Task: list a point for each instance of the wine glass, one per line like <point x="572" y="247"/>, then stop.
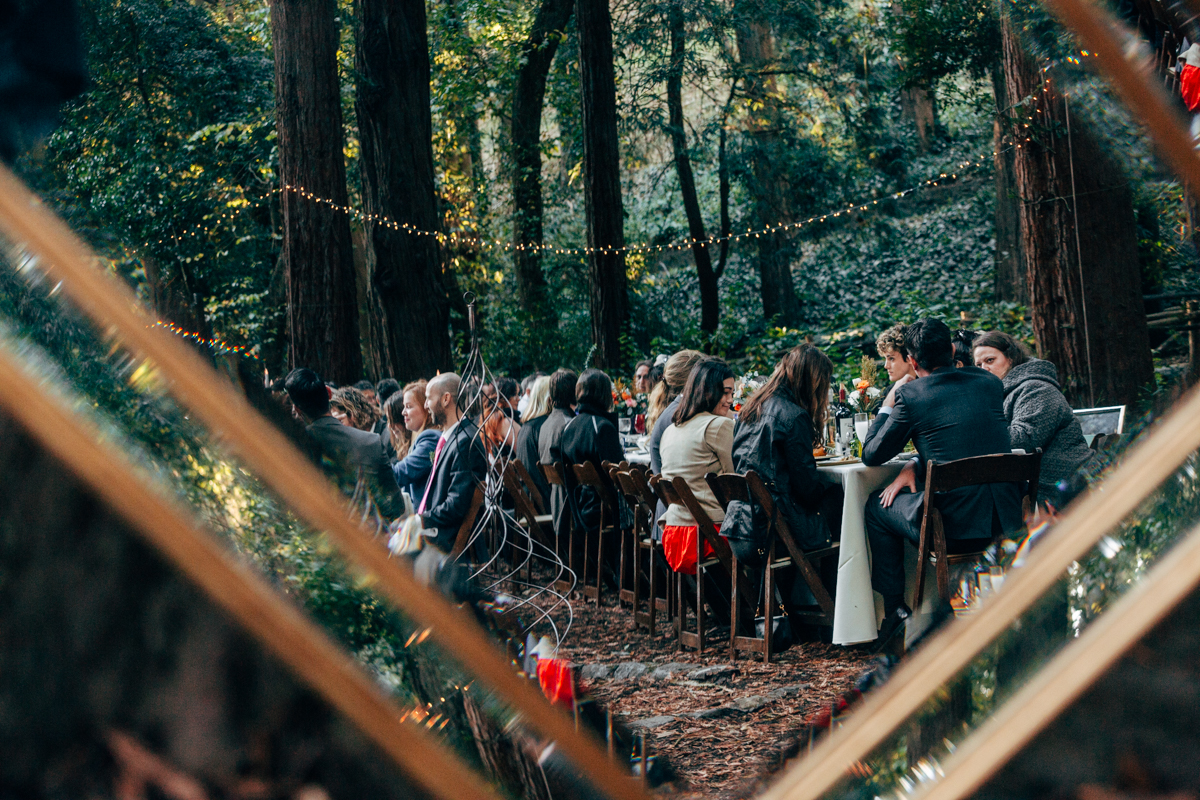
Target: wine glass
<point x="623" y="425"/>
<point x="862" y="424"/>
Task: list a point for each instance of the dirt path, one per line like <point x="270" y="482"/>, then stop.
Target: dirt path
<point x="752" y="712"/>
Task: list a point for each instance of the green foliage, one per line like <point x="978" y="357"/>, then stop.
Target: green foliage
<point x="939" y="39"/>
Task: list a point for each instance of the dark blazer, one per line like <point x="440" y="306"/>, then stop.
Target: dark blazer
<point x="461" y="467"/>
<point x="950" y="414"/>
<point x="350" y="445"/>
<point x="412" y="471"/>
<point x="591" y="436"/>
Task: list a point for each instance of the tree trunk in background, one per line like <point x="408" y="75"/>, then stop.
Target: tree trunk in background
<point x="1076" y="208"/>
<point x="396" y="132"/>
<point x="537" y="53"/>
<point x="917" y="104"/>
<point x="1011" y="285"/>
<point x="316" y="252"/>
<point x="710" y="308"/>
<point x="771" y="206"/>
<point x="602" y="182"/>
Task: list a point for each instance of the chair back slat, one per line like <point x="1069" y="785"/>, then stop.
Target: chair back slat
<point x="588" y="474"/>
<point x="728" y="487"/>
<point x="554" y="474"/>
<point x="531" y="488"/>
<point x="978" y="470"/>
<point x="704" y="523"/>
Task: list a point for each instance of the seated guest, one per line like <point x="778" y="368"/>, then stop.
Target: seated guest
<point x="664" y="405"/>
<point x="350" y="406"/>
<point x="508" y="395"/>
<point x="368" y="389"/>
<point x="948" y="414"/>
<point x="385" y="389"/>
<point x="459" y="464"/>
<point x="537" y="411"/>
<point x="775" y="433"/>
<point x="341" y="443"/>
<point x="890" y="346"/>
<point x="591" y="436"/>
<point x="562" y="397"/>
<point x="414" y="452"/>
<point x="500" y="427"/>
<point x="641" y="377"/>
<point x="699" y="441"/>
<point x="526" y="388"/>
<point x="963" y="355"/>
<point x="1038" y="415"/>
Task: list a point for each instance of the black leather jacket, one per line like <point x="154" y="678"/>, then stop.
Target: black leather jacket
<point x="778" y="446"/>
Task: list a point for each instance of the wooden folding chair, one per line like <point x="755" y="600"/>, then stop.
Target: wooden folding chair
<point x="541" y="504"/>
<point x="639" y="540"/>
<point x="722" y="565"/>
<point x="464" y="531"/>
<point x="564" y="530"/>
<point x="751" y="486"/>
<point x="589" y="475"/>
<point x="539" y="526"/>
<point x="650" y="553"/>
<point x="976" y="471"/>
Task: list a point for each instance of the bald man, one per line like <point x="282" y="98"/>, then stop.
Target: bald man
<point x="459" y="464"/>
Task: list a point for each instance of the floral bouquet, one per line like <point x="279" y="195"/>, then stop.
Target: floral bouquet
<point x="745" y="386"/>
<point x="866" y="397"/>
<point x="625" y="402"/>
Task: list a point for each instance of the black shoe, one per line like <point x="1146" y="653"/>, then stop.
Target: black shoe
<point x="893" y="623"/>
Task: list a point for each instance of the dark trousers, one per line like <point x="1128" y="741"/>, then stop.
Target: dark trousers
<point x="887" y="530"/>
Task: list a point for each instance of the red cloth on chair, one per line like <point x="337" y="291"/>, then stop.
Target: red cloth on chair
<point x="679" y="547"/>
<point x="557" y="681"/>
<point x="1189" y="87"/>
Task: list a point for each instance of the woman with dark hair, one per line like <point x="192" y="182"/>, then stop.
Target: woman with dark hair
<point x="664" y="399"/>
<point x="591" y="436"/>
<point x="415" y="436"/>
<point x="962" y="341"/>
<point x="775" y="434"/>
<point x="699" y="441"/>
<point x="1038" y="414"/>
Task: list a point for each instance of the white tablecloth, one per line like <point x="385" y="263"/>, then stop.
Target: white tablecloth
<point x="854" y="615"/>
<point x="637" y="457"/>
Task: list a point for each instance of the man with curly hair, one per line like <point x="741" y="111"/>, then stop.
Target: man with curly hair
<point x="890" y="345"/>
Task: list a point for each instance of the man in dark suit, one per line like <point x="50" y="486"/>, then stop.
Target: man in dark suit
<point x="459" y="464"/>
<point x="341" y="443"/>
<point x="948" y="414"/>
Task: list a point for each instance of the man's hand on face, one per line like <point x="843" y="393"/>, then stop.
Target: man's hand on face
<point x="890" y="400"/>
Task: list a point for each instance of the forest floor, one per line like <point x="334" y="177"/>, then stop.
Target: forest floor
<point x="724" y="731"/>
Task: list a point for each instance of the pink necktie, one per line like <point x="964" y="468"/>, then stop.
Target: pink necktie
<point x="436" y="454"/>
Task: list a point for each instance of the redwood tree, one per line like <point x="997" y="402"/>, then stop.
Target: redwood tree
<point x="396" y="133"/>
<point x="1078" y="243"/>
<point x="537" y="53"/>
<point x="602" y="181"/>
<point x="316" y="252"/>
<point x="756" y="49"/>
<point x="710" y="308"/>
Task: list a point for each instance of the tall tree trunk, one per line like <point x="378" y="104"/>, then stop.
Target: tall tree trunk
<point x="918" y="105"/>
<point x="1010" y="269"/>
<point x="710" y="308"/>
<point x="396" y="132"/>
<point x="316" y="252"/>
<point x="602" y="182"/>
<point x="1076" y="209"/>
<point x="771" y="206"/>
<point x="529" y="94"/>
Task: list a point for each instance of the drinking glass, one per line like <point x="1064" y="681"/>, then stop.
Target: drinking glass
<point x="862" y="424"/>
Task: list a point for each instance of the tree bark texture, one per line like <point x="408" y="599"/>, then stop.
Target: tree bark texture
<point x="918" y="105"/>
<point x="710" y="307"/>
<point x="529" y="94"/>
<point x="1076" y="209"/>
<point x="602" y="182"/>
<point x="112" y="661"/>
<point x="316" y="252"/>
<point x="396" y="133"/>
<point x="1010" y="269"/>
<point x="771" y="207"/>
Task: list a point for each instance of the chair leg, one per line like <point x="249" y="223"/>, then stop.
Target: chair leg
<point x="680" y="609"/>
<point x="699" y="610"/>
<point x="653" y="595"/>
<point x="922" y="554"/>
<point x="768" y="606"/>
<point x="735" y="609"/>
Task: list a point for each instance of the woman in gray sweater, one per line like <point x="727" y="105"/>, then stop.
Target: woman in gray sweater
<point x="1038" y="414"/>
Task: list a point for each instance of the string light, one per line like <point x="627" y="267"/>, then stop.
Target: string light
<point x="218" y="345"/>
<point x="478" y="241"/>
